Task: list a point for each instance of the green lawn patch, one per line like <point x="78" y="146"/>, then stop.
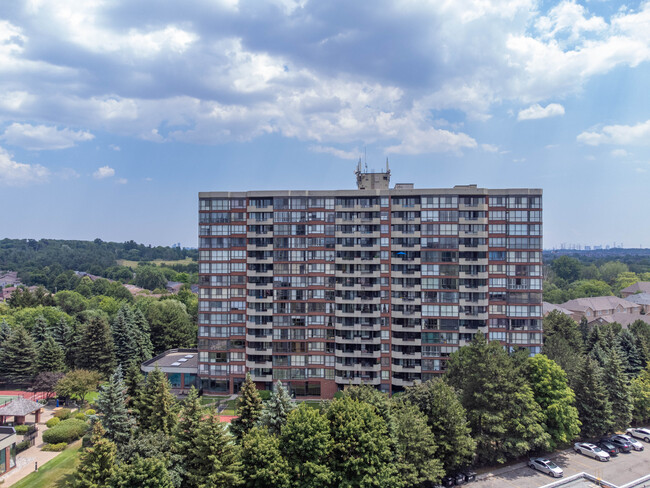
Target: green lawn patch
<point x="56" y="472"/>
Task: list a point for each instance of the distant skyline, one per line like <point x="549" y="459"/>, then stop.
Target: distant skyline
<point x="114" y="115"/>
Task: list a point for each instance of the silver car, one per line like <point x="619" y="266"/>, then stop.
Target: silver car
<point x="639" y="433"/>
<point x="591" y="450"/>
<point x="636" y="445"/>
<point x="546" y="466"/>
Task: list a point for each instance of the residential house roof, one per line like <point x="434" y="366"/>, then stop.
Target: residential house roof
<point x="639" y="298"/>
<point x="625" y="319"/>
<point x="549" y="307"/>
<point x="638" y="287"/>
<point x="598" y="304"/>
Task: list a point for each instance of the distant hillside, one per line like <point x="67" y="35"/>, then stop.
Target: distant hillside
<point x="39" y="262"/>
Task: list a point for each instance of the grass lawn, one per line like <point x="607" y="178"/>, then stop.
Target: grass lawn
<point x="134" y="264"/>
<point x="313" y="403"/>
<point x="56" y="472"/>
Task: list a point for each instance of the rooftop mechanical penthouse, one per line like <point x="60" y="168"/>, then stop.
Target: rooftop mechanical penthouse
<point x="377" y="286"/>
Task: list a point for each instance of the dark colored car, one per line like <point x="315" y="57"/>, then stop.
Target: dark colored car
<point x="448" y="481"/>
<point x="459" y="479"/>
<point x="622" y="445"/>
<point x="469" y="475"/>
<point x="608" y="447"/>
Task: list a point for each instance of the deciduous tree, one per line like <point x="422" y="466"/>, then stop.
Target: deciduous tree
<point x="262" y="463"/>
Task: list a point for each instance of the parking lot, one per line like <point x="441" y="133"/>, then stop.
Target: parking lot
<point x="621" y="469"/>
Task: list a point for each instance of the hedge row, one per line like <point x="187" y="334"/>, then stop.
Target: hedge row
<point x="67" y="431"/>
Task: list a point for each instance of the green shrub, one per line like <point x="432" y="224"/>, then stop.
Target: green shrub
<point x="90" y="411"/>
<point x="80" y="416"/>
<point x="52" y="422"/>
<point x="21" y="429"/>
<point x="63" y="414"/>
<point x="265" y="395"/>
<point x="54" y="447"/>
<point x="21" y="446"/>
<point x="67" y="431"/>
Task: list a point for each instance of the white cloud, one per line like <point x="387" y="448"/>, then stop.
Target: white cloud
<point x="491" y="148"/>
<point x="339" y="153"/>
<point x="619" y="153"/>
<point x="68" y="174"/>
<point x="634" y="135"/>
<point x="122" y="181"/>
<point x="115" y="147"/>
<point x="536" y="111"/>
<point x="13" y="173"/>
<point x="41" y="137"/>
<point x="432" y="140"/>
<point x="104" y="172"/>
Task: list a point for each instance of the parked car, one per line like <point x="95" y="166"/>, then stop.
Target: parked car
<point x="448" y="480"/>
<point x="636" y="445"/>
<point x="546" y="466"/>
<point x="591" y="450"/>
<point x="621" y="444"/>
<point x="608" y="446"/>
<point x="469" y="475"/>
<point x="640" y="433"/>
<point x="459" y="479"/>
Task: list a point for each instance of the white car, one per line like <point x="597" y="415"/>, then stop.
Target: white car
<point x="546" y="466"/>
<point x="636" y="445"/>
<point x="591" y="450"/>
<point x="640" y="433"/>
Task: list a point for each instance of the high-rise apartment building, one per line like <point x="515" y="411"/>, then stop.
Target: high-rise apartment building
<point x="378" y="286"/>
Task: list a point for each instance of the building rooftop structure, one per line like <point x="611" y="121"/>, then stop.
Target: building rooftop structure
<point x="550" y="307"/>
<point x="597" y="306"/>
<point x="625" y="319"/>
<point x="179" y="365"/>
<point x="638" y="287"/>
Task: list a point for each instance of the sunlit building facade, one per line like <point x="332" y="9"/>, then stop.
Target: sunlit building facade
<point x="378" y="285"/>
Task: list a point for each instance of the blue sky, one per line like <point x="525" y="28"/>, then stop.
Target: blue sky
<point x="113" y="115"/>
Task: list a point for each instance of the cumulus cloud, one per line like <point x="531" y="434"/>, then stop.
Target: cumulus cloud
<point x="41" y="137"/>
<point x="619" y="153"/>
<point x="633" y="135"/>
<point x="339" y="153"/>
<point x="104" y="172"/>
<point x="536" y="111"/>
<point x="122" y="181"/>
<point x="13" y="173"/>
<point x="233" y="71"/>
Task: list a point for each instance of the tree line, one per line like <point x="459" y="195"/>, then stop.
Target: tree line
<point x="570" y="277"/>
<point x="43" y="336"/>
<point x="51" y="263"/>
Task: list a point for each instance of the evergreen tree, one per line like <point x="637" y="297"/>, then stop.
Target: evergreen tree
<point x="307" y="444"/>
<point x="40" y="330"/>
<point x="97" y="462"/>
<point x="18" y="357"/>
<point x="372" y="396"/>
<point x="584" y="329"/>
<point x="61" y="332"/>
<point x="640" y="394"/>
<point x="214" y="459"/>
<point x="632" y="358"/>
<point x="277" y="408"/>
<point x="592" y="401"/>
<point x="96" y="350"/>
<point x="141" y="473"/>
<point x="361" y="455"/>
<point x="189" y="426"/>
<point x="124" y="337"/>
<point x="134" y="383"/>
<point x="112" y="404"/>
<point x="618" y="392"/>
<point x="506" y="421"/>
<point x="415" y="447"/>
<point x="249" y="409"/>
<point x="50" y="356"/>
<point x="262" y="463"/>
<point x="5" y="331"/>
<point x="143" y="336"/>
<point x="553" y="395"/>
<point x="157" y="406"/>
<point x="448" y="422"/>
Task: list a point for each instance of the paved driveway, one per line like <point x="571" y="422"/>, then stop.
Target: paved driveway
<point x="619" y="470"/>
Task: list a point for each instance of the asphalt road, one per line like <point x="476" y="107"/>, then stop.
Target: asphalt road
<point x="618" y="470"/>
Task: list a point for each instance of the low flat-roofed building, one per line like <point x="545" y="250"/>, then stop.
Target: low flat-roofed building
<point x="7" y="449"/>
<point x="180" y="365"/>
